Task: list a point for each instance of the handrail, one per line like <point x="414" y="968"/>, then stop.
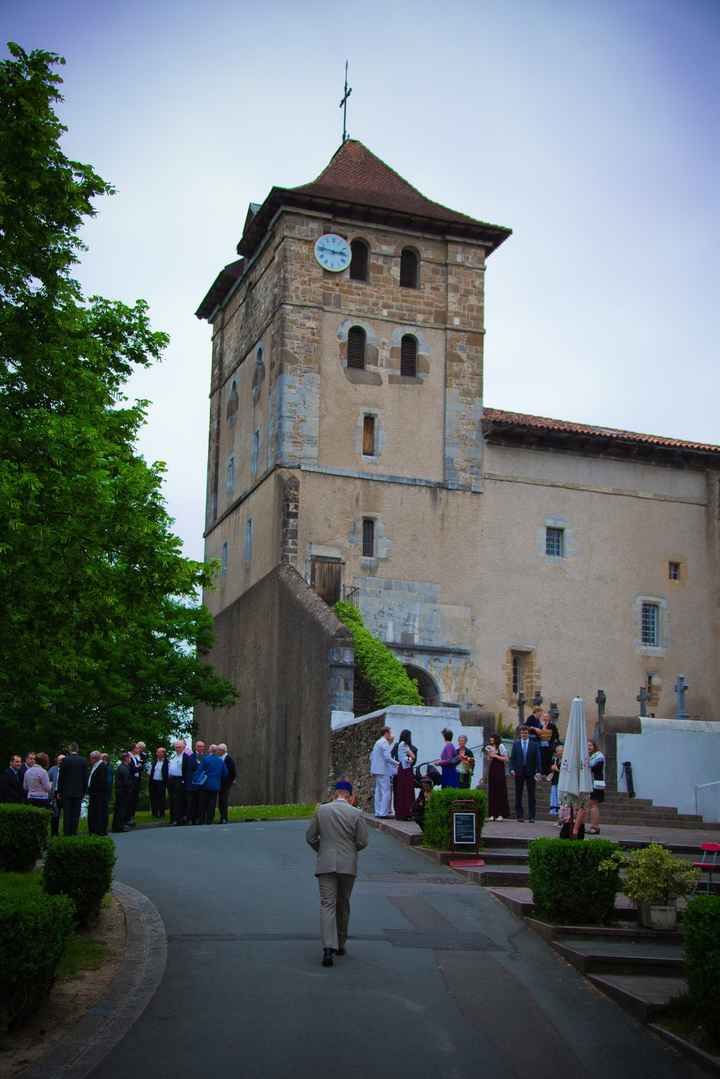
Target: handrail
<point x="703" y="786"/>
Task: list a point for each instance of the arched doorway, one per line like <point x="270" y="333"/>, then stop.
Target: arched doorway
<point x="426" y="684"/>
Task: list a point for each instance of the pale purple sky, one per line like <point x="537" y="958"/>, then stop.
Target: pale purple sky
<point x="589" y="128"/>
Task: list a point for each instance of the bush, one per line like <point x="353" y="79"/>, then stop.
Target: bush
<point x="702" y="948"/>
<point x="381" y="669"/>
<point x="567" y="882"/>
<point x="654" y="875"/>
<point x="437" y="832"/>
<point x="23" y="835"/>
<point x="34" y="929"/>
<point x="81" y="867"/>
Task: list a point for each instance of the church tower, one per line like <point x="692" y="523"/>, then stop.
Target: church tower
<point x="346" y="398"/>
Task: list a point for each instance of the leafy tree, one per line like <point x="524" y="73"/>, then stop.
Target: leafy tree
<point x="101" y="635"/>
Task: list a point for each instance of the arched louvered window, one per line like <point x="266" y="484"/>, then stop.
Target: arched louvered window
<point x="359" y="260"/>
<point x="356" y="347"/>
<point x="409" y="268"/>
<point x="408" y="356"/>
<point x="233" y="402"/>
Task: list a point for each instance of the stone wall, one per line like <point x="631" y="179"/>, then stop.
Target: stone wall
<point x="350" y="757"/>
<point x="285" y="651"/>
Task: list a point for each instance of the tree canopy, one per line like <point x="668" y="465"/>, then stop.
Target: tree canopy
<point x="101" y="632"/>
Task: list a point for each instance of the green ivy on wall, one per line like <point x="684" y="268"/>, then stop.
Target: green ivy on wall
<point x="381" y="669"/>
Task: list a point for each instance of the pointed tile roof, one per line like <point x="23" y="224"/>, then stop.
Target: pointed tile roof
<point x="356" y="183"/>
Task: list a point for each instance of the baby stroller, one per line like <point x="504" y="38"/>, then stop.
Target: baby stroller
<point x="427" y="771"/>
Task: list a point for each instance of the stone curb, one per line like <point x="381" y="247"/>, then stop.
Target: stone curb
<point x="710" y="1064"/>
<point x="107" y="1022"/>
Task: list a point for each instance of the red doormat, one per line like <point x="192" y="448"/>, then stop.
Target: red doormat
<point x="466" y="863"/>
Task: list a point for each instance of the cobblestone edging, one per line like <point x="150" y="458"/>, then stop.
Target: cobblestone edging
<point x="104" y="1025"/>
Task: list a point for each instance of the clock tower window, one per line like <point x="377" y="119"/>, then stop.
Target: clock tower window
<point x="356" y="347"/>
<point x="359" y="260"/>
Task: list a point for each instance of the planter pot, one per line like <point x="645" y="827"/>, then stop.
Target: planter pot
<point x="657" y="917"/>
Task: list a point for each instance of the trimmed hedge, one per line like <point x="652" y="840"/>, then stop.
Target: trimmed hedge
<point x="23" y="836"/>
<point x="437" y="831"/>
<point x="34" y="929"/>
<point x="382" y="670"/>
<point x="567" y="883"/>
<point x="81" y="867"/>
<point x="702" y="950"/>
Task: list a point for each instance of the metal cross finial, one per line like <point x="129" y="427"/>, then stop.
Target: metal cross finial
<point x="343" y="103"/>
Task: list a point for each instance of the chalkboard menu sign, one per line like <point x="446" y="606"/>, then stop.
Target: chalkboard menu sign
<point x="464" y="829"/>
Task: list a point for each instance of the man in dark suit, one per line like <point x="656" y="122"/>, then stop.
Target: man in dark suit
<point x="158" y="783"/>
<point x="97" y="795"/>
<point x="136" y="765"/>
<point x="227" y="782"/>
<point x="72" y="788"/>
<point x="11" y="788"/>
<point x="123" y="794"/>
<point x="179" y="780"/>
<point x="526" y="767"/>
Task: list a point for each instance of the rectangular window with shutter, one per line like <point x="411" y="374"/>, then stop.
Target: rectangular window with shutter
<point x="326" y="579"/>
<point x="368" y="537"/>
<point x="368" y="436"/>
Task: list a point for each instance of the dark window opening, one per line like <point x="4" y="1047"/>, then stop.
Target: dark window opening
<point x="518" y="673"/>
<point x="674" y="571"/>
<point x="408" y="268"/>
<point x="356" y="347"/>
<point x="359" y="260"/>
<point x="408" y="356"/>
<point x="233" y="402"/>
<point x="368" y="537"/>
<point x="368" y="446"/>
<point x="555" y="542"/>
<point x="326" y="579"/>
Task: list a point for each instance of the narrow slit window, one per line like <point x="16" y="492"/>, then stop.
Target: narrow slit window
<point x="555" y="542"/>
<point x="359" y="260"/>
<point x="368" y="537"/>
<point x="230" y="474"/>
<point x="408" y="268"/>
<point x="224" y="560"/>
<point x="408" y="356"/>
<point x="674" y="571"/>
<point x="255" y="452"/>
<point x="368" y="443"/>
<point x="356" y="347"/>
<point x="248" y="540"/>
<point x="518" y="673"/>
<point x="233" y="402"/>
<point x="651" y="625"/>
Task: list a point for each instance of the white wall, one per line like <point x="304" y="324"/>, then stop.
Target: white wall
<point x="426" y="726"/>
<point x="669" y="759"/>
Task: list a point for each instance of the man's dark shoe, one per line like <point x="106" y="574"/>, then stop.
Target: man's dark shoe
<point x="327" y="959"/>
<point x="531" y="820"/>
<point x="341" y="951"/>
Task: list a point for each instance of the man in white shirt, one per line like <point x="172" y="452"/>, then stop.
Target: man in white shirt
<point x="382" y="769"/>
<point x="178" y="772"/>
<point x="158" y="783"/>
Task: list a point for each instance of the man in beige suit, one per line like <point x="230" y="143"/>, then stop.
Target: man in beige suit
<point x="337" y="832"/>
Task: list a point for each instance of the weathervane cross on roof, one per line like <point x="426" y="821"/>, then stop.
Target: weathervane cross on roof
<point x="343" y="103"/>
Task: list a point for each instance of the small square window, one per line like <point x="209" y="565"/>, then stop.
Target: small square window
<point x="368" y="537"/>
<point x="651" y="625"/>
<point x="674" y="571"/>
<point x="555" y="542"/>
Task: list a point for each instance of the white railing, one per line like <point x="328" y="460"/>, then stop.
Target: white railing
<point x="707" y="801"/>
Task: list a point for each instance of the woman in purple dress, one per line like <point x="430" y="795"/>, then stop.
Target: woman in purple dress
<point x="449" y="759"/>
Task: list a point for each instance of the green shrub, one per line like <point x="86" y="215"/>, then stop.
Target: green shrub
<point x="81" y="867"/>
<point x="23" y="835"/>
<point x="381" y="669"/>
<point x="567" y="882"/>
<point x="34" y="929"/>
<point x="437" y="831"/>
<point x="701" y="934"/>
<point x="654" y="875"/>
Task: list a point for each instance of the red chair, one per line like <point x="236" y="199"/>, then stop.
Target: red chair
<point x="710" y="864"/>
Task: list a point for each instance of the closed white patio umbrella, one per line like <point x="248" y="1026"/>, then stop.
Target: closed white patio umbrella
<point x="575" y="781"/>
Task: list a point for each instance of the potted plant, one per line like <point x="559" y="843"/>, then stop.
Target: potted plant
<point x="655" y="879"/>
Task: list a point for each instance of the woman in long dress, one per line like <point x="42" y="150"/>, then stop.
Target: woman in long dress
<point x="405" y="754"/>
<point x="449" y="761"/>
<point x="498" y="806"/>
<point x="597" y="767"/>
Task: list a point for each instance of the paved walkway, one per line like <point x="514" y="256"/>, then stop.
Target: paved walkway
<point x="440" y="979"/>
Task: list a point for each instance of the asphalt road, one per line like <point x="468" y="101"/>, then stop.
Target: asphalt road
<point x="439" y="978"/>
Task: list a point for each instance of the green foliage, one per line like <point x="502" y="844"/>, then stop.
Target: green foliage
<point x="570" y="883"/>
<point x="34" y="929"/>
<point x="388" y="679"/>
<point x="101" y="639"/>
<point x="702" y="956"/>
<point x="654" y="875"/>
<point x="292" y="811"/>
<point x="81" y="954"/>
<point x="81" y="868"/>
<point x="23" y="835"/>
<point x="437" y="830"/>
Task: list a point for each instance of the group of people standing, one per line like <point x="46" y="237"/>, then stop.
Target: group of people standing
<point x="195" y="783"/>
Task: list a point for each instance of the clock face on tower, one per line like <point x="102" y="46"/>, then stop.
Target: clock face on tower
<point x="332" y="252"/>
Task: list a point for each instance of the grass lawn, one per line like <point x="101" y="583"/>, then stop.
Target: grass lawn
<point x="294" y="811"/>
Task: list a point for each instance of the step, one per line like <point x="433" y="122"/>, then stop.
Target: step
<point x="519" y="899"/>
<point x="498" y="875"/>
<point x="641" y="995"/>
<point x="621" y="931"/>
<point x="505" y="856"/>
<point x="593" y="955"/>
